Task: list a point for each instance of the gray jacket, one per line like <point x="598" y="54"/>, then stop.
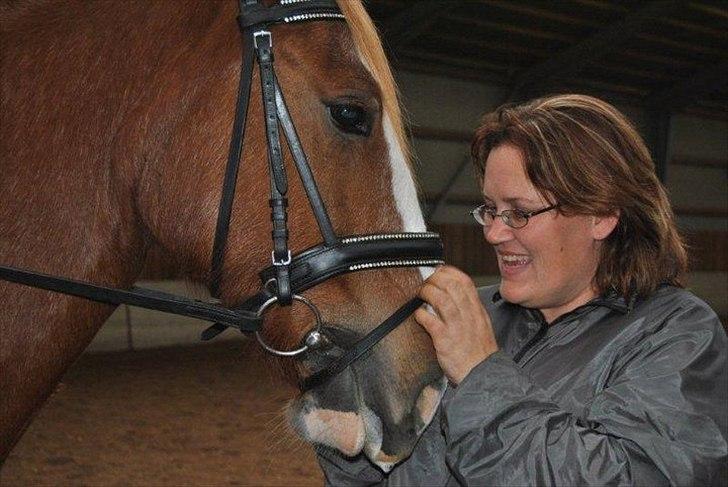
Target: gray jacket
<point x="603" y="396"/>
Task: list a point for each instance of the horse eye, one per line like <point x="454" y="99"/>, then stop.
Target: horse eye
<point x="351" y="119"/>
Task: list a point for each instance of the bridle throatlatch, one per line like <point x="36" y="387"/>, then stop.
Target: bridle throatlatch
<point x="289" y="275"/>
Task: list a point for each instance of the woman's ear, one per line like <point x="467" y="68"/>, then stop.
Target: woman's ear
<point x="603" y="226"/>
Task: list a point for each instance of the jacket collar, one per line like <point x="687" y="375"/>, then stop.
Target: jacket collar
<point x="609" y="300"/>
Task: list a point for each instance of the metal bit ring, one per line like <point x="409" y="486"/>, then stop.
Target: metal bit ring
<point x="313" y="336"/>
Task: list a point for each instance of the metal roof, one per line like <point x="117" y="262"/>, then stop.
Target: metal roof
<point x="665" y="55"/>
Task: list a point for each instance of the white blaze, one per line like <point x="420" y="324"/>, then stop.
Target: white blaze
<point x="403" y="188"/>
<point x="403" y="185"/>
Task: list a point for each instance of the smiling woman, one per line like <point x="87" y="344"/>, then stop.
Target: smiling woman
<point x="588" y="364"/>
<point x="582" y="154"/>
<point x="547" y="263"/>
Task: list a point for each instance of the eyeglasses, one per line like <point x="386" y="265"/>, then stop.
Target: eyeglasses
<point x="485" y="215"/>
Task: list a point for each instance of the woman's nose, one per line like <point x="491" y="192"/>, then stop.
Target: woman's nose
<point x="497" y="232"/>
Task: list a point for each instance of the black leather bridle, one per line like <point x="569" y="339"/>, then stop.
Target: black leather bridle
<point x="289" y="275"/>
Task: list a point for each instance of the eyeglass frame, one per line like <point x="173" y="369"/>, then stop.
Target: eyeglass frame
<point x="506" y="215"/>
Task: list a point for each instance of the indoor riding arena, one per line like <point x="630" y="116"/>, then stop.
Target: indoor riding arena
<point x="166" y="415"/>
<point x="148" y="403"/>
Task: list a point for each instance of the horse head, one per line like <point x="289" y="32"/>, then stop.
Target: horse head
<point x="155" y="86"/>
<point x="343" y="102"/>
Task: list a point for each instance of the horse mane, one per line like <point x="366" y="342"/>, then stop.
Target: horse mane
<point x="369" y="48"/>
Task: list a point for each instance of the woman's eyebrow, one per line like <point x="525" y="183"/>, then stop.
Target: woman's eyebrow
<point x="513" y="200"/>
<point x="517" y="200"/>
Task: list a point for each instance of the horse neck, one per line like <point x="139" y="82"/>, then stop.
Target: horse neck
<point x="63" y="211"/>
<point x="98" y="117"/>
<point x="76" y="81"/>
<point x="69" y="168"/>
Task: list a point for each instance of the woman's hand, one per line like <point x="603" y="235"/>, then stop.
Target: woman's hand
<point x="461" y="330"/>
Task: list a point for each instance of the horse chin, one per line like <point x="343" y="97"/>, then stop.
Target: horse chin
<point x="348" y="425"/>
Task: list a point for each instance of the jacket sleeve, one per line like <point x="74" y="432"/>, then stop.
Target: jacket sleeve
<point x="340" y="471"/>
<point x="660" y="419"/>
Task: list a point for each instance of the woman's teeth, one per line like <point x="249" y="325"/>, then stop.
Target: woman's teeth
<point x="514" y="259"/>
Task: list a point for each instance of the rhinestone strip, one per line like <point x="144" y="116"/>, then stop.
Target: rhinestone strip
<point x="396" y="263"/>
<point x="388" y="236"/>
<point x="313" y="16"/>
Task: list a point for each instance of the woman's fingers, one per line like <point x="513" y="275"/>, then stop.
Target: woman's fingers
<point x="440" y="300"/>
<point x="450" y="292"/>
<point x="460" y="327"/>
<point x="429" y="321"/>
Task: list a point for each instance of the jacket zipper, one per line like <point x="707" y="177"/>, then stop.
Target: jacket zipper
<point x="533" y="341"/>
<point x="544" y="326"/>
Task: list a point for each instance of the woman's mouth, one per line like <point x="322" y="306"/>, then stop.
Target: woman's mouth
<point x="511" y="264"/>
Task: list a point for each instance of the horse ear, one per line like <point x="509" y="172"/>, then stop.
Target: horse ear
<point x="603" y="226"/>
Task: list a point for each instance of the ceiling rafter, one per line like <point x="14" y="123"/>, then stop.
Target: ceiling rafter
<point x="526" y="31"/>
<point x="710" y="10"/>
<point x="571" y="60"/>
<point x="685" y="46"/>
<point x="631" y="53"/>
<point x="704" y="82"/>
<point x="412" y="21"/>
<point x="537" y="12"/>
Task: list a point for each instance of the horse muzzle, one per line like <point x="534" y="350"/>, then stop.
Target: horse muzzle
<point x="338" y="417"/>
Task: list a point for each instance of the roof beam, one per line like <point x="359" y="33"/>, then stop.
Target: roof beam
<point x="412" y="21"/>
<point x="571" y="61"/>
<point x="703" y="82"/>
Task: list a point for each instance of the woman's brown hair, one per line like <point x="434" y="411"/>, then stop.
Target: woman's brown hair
<point x="584" y="155"/>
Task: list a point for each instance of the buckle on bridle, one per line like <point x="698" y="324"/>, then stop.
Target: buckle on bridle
<point x="285" y="261"/>
<point x="262" y="33"/>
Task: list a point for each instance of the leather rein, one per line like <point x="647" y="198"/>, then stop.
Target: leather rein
<point x="289" y="275"/>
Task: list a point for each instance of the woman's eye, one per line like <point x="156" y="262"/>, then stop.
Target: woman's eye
<point x="351" y="119"/>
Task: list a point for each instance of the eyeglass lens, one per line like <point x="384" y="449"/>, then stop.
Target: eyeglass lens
<point x="485" y="216"/>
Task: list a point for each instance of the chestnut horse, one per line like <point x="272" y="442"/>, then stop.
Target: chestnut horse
<point x="114" y="123"/>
